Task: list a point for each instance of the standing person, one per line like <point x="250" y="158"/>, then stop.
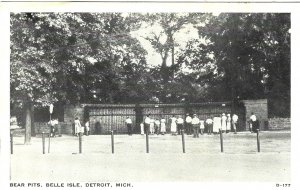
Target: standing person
<point x="82" y="129"/>
<point x="73" y="127"/>
<point x="223" y="122"/>
<point x="157" y="126"/>
<point x="217" y="124"/>
<point x="87" y="128"/>
<point x="179" y="122"/>
<point x="188" y="124"/>
<point x="97" y="128"/>
<point x="56" y="127"/>
<point x="128" y="122"/>
<point x="253" y="122"/>
<point x="77" y="126"/>
<point x="151" y="126"/>
<point x="163" y="126"/>
<point x="147" y="124"/>
<point x="201" y="126"/>
<point x="173" y="125"/>
<point x="228" y="123"/>
<point x="142" y="128"/>
<point x="195" y="123"/>
<point x="234" y="122"/>
<point x="52" y="124"/>
<point x="209" y="123"/>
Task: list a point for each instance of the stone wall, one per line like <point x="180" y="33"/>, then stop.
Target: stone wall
<point x="44" y="127"/>
<point x="260" y="109"/>
<point x="280" y="123"/>
<point x="70" y="112"/>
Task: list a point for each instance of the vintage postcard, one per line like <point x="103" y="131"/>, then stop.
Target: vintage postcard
<point x="149" y="94"/>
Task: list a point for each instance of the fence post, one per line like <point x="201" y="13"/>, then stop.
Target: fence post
<point x="112" y="142"/>
<point x="258" y="142"/>
<point x="147" y="141"/>
<point x="43" y="142"/>
<point x="49" y="141"/>
<point x="11" y="143"/>
<point x="80" y="143"/>
<point x="183" y="143"/>
<point x="221" y="139"/>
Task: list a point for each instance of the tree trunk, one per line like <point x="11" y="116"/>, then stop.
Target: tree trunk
<point x="32" y="121"/>
<point x="165" y="78"/>
<point x="27" y="123"/>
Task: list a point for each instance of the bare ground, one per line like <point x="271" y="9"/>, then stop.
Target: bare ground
<point x="202" y="162"/>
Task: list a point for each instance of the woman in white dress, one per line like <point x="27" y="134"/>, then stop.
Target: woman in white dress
<point x="173" y="125"/>
<point x="163" y="126"/>
<point x="228" y="124"/>
<point x="77" y="126"/>
<point x="216" y="124"/>
<point x="223" y="124"/>
<point x="142" y="128"/>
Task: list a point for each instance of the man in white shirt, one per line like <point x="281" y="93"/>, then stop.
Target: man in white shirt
<point x="188" y="124"/>
<point x="253" y="123"/>
<point x="147" y="122"/>
<point x="195" y="123"/>
<point x="234" y="122"/>
<point x="128" y="122"/>
<point x="179" y="124"/>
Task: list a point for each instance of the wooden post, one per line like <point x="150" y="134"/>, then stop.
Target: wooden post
<point x="183" y="143"/>
<point x="43" y="142"/>
<point x="147" y="141"/>
<point x="11" y="143"/>
<point x="221" y="140"/>
<point x="258" y="142"/>
<point x="112" y="142"/>
<point x="80" y="143"/>
<point x="49" y="141"/>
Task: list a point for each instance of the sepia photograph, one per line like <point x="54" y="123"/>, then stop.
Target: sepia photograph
<point x="110" y="99"/>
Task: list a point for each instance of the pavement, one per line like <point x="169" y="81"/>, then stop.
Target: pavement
<point x="165" y="162"/>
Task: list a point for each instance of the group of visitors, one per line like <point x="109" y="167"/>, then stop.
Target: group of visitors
<point x="154" y="126"/>
<point x="191" y="125"/>
<point x="225" y="123"/>
<point x="81" y="129"/>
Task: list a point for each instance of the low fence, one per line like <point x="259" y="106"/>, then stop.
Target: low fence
<point x="147" y="141"/>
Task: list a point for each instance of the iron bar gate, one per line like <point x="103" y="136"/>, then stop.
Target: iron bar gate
<point x="106" y="117"/>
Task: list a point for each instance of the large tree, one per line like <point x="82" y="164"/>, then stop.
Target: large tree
<point x="163" y="40"/>
<point x="243" y="56"/>
<point x="53" y="54"/>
